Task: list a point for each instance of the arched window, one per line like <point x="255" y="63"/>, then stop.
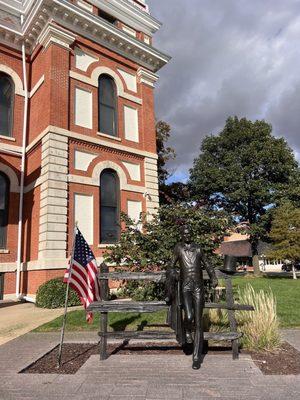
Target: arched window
<point x="6" y="104"/>
<point x="107" y="106"/>
<point x="109" y="206"/>
<point x="4" y="196"/>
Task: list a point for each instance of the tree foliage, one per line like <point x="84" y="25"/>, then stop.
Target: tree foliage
<point x="244" y="170"/>
<point x="285" y="233"/>
<point x="165" y="153"/>
<point x="153" y="248"/>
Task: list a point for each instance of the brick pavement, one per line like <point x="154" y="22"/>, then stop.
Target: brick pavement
<point x="138" y="377"/>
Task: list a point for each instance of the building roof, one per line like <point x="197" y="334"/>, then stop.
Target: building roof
<point x="237" y="248"/>
<point x="27" y="21"/>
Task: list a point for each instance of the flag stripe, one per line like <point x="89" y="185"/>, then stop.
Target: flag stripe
<point x="84" y="273"/>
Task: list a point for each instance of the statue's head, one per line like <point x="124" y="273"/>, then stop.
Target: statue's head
<point x="186" y="234"/>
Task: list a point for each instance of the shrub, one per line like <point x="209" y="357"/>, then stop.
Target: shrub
<point x="52" y="294"/>
<point x="260" y="327"/>
<point x="143" y="291"/>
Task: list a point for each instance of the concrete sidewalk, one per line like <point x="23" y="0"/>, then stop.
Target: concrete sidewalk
<point x="18" y="318"/>
<point x="137" y="377"/>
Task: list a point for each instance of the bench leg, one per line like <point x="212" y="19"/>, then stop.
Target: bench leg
<point x="231" y="317"/>
<point x="103" y="337"/>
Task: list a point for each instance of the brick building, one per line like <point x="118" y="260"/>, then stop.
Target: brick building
<point x="77" y="129"/>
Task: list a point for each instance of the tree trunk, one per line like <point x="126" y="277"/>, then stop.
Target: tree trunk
<point x="255" y="262"/>
<point x="255" y="258"/>
<point x="294" y="272"/>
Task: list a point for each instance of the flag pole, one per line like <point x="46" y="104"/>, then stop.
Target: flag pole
<point x="62" y="335"/>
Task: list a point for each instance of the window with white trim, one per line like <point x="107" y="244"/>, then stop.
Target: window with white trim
<point x="6" y="104"/>
<point x="4" y="205"/>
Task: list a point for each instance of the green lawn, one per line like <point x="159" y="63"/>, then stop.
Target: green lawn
<point x="117" y="321"/>
<point x="286" y="291"/>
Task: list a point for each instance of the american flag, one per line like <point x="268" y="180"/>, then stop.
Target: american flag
<point x="82" y="273"/>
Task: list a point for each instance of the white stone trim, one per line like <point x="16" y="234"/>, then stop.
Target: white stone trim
<point x="147" y="77"/>
<point x="93" y="81"/>
<point x="83" y="107"/>
<point x="8" y="267"/>
<point x="109" y="136"/>
<point x="37" y="86"/>
<point x="86" y="6"/>
<point x="52" y="34"/>
<point x="54" y="197"/>
<point x="15" y="78"/>
<point x="43" y="264"/>
<point x="130" y="79"/>
<point x="83" y="159"/>
<point x="87" y="59"/>
<point x="85" y="220"/>
<point x="84" y="180"/>
<point x="12" y="176"/>
<point x="9" y="138"/>
<point x="151" y="182"/>
<point x="134" y="170"/>
<point x="89" y="139"/>
<point x="131" y="124"/>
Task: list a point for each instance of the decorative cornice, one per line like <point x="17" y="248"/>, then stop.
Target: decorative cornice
<point x="76" y="21"/>
<point x="52" y="34"/>
<point x="147" y="77"/>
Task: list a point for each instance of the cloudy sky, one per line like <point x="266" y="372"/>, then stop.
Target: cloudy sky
<point x="230" y="57"/>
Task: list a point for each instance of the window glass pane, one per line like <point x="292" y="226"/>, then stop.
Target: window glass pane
<point x="109" y="212"/>
<point x="107" y="91"/>
<point x="4" y="192"/>
<point x="107" y="120"/>
<point x="109" y="224"/>
<point x="6" y="105"/>
<point x="3" y="185"/>
<point x="107" y="106"/>
<point x="109" y="189"/>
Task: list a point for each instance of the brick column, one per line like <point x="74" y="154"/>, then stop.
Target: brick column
<point x="54" y="197"/>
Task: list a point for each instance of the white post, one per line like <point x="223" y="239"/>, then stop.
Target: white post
<point x="21" y="202"/>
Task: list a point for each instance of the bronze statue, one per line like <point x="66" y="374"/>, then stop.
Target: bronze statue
<point x="189" y="293"/>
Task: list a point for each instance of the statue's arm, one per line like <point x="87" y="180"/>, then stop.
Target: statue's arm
<point x="171" y="277"/>
<point x="210" y="270"/>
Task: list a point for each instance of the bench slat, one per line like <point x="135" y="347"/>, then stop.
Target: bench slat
<point x="156" y="276"/>
<point x="158" y="335"/>
<point x="153" y="306"/>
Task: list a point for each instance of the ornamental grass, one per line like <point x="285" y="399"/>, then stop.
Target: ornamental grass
<point x="260" y="327"/>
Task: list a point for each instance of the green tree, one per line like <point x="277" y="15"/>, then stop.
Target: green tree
<point x="153" y="248"/>
<point x="285" y="234"/>
<point x="165" y="153"/>
<point x="244" y="170"/>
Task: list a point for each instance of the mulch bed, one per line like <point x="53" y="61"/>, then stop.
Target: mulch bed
<point x="285" y="361"/>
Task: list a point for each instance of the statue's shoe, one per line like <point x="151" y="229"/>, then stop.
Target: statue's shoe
<point x="196" y="364"/>
<point x="189" y="338"/>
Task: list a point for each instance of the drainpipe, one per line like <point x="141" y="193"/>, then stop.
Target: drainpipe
<point x="21" y="203"/>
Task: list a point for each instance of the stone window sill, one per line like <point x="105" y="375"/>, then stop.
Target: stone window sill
<point x="109" y="136"/>
<point x="7" y="138"/>
<point x="4" y="251"/>
<point x="105" y="245"/>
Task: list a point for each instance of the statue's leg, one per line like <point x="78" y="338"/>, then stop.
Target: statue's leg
<point x="188" y="314"/>
<point x="199" y="331"/>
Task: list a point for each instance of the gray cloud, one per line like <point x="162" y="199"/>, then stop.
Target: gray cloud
<point x="230" y="57"/>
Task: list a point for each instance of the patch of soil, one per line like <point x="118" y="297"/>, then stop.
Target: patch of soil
<point x="284" y="361"/>
<point x="74" y="355"/>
